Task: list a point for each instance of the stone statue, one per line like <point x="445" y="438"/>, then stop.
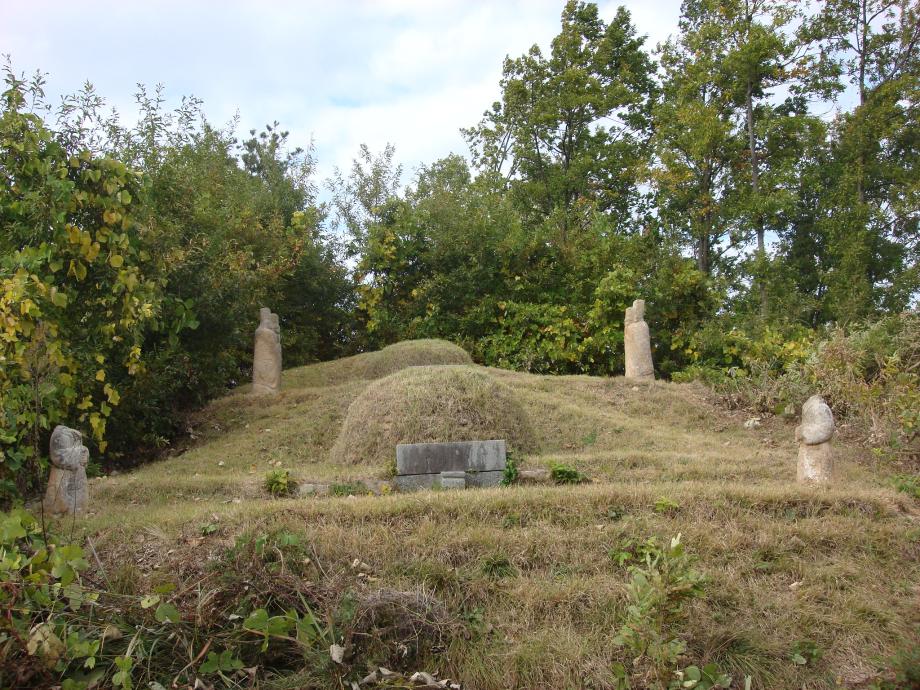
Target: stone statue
<point x="266" y="359"/>
<point x="816" y="458"/>
<point x="68" y="491"/>
<point x="638" y="344"/>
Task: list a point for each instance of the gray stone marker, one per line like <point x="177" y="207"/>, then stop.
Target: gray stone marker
<point x="266" y="356"/>
<point x="637" y="344"/>
<point x="68" y="490"/>
<point x="424" y="465"/>
<point x="816" y="457"/>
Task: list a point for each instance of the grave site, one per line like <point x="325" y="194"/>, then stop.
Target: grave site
<point x="493" y="345"/>
<point x="523" y="585"/>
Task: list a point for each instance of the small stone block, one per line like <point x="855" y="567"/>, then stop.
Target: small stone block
<point x="484" y="479"/>
<point x="412" y="482"/>
<point x="453" y="480"/>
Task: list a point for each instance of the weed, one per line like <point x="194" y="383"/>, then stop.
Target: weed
<point x="279" y="483"/>
<point x="498" y="566"/>
<point x="511" y="520"/>
<point x="207" y="529"/>
<point x="903" y="671"/>
<point x="633" y="551"/>
<point x="805" y="652"/>
<point x="348" y="489"/>
<point x="590" y="439"/>
<point x="566" y="474"/>
<point x="510" y="474"/>
<point x="908" y="483"/>
<point x="665" y="505"/>
<point x="614" y="513"/>
<point x="657" y="594"/>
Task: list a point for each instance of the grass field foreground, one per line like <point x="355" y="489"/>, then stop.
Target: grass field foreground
<point x="526" y="586"/>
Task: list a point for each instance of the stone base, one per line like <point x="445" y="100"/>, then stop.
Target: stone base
<point x="261" y="389"/>
<point x="534" y="477"/>
<point x="816" y="463"/>
<point x="412" y="482"/>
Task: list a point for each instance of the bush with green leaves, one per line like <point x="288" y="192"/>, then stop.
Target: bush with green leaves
<point x="868" y="372"/>
<point x="658" y="592"/>
<point x="133" y="261"/>
<point x="561" y="473"/>
<point x="279" y="483"/>
<point x="511" y="471"/>
<point x="62" y="625"/>
<point x="77" y="287"/>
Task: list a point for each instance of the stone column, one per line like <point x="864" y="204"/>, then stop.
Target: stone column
<point x="637" y="344"/>
<point x="816" y="457"/>
<point x="68" y="491"/>
<point x="266" y="359"/>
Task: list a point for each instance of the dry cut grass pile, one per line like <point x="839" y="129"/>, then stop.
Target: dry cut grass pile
<point x="422" y="404"/>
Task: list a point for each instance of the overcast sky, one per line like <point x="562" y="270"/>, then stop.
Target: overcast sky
<point x="409" y="72"/>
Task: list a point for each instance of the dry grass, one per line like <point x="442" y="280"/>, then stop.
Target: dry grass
<point x="429" y="403"/>
<point x="411" y="353"/>
<point x="836" y="566"/>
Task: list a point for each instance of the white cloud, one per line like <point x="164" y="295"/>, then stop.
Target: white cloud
<point x="409" y="72"/>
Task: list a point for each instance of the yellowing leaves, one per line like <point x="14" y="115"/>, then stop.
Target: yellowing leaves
<point x="97" y="424"/>
<point x="112" y="394"/>
<point x="100" y="375"/>
<point x="77" y="269"/>
<point x="116" y="260"/>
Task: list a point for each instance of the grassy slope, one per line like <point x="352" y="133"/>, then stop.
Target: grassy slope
<point x="855" y="548"/>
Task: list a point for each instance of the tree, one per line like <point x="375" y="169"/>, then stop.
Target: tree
<point x="76" y="287"/>
<point x="695" y="144"/>
<point x="359" y="200"/>
<point x="570" y="128"/>
<point x="870" y="213"/>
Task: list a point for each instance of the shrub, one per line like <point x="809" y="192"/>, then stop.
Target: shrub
<point x="511" y="471"/>
<point x="658" y="593"/>
<point x="279" y="483"/>
<point x="566" y="474"/>
<point x="868" y="373"/>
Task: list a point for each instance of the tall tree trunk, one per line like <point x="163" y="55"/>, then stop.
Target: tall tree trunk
<point x="755" y="189"/>
<point x="703" y="248"/>
<point x="862" y="36"/>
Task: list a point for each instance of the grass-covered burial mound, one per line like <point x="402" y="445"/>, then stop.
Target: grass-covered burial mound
<point x="411" y="353"/>
<point x="429" y="404"/>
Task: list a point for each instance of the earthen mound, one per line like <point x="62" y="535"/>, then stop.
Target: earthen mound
<point x="429" y="404"/>
<point x="411" y="353"/>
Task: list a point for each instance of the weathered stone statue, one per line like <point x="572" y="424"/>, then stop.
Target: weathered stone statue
<point x="266" y="359"/>
<point x="68" y="491"/>
<point x="638" y="344"/>
<point x="816" y="457"/>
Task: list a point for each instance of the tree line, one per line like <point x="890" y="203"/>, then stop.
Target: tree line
<point x="754" y="178"/>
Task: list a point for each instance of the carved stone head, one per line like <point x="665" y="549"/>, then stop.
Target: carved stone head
<point x="67" y="449"/>
<point x="636" y="312"/>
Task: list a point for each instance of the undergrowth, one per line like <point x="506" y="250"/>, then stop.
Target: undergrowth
<point x="262" y="607"/>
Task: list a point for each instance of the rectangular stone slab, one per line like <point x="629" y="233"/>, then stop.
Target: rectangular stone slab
<point x="411" y="482"/>
<point x="434" y="458"/>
